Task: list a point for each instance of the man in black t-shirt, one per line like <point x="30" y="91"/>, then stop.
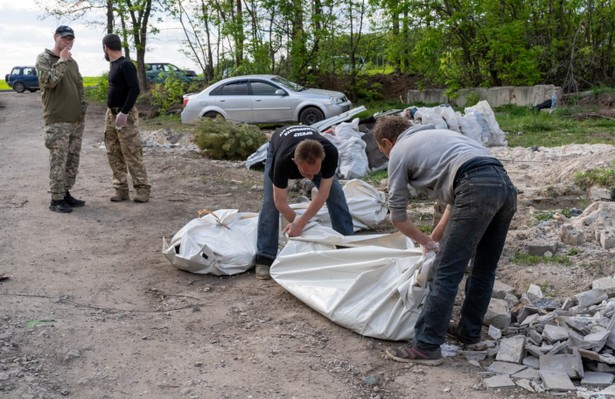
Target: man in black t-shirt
<point x="122" y="138"/>
<point x="297" y="152"/>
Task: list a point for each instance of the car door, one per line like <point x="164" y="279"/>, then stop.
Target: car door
<point x="268" y="105"/>
<point x="29" y="77"/>
<point x="234" y="99"/>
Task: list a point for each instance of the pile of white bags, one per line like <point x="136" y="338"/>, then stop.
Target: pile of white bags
<point x="478" y="122"/>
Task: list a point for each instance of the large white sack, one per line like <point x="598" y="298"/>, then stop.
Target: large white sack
<point x="470" y="126"/>
<point x="353" y="161"/>
<point x="376" y="291"/>
<point x="367" y="205"/>
<point x="450" y="117"/>
<point x="496" y="136"/>
<point x="426" y="115"/>
<point x="220" y="243"/>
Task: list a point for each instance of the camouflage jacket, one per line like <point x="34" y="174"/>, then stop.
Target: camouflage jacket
<point x="61" y="89"/>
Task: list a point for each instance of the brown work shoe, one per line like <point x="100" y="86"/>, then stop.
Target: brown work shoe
<point x="262" y="272"/>
<point x="142" y="196"/>
<point x="411" y="354"/>
<point x="120" y="195"/>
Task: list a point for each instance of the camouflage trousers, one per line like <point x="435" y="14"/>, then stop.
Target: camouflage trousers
<point x="64" y="143"/>
<point x="125" y="152"/>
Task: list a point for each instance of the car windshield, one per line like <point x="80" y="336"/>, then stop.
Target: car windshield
<point x="288" y="84"/>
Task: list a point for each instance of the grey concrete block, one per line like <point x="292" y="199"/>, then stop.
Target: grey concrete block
<point x="505" y="368"/>
<point x="571" y="236"/>
<point x="528" y="374"/>
<point x="598" y="357"/>
<point x="500" y="290"/>
<point x="534" y="293"/>
<point x="541" y="248"/>
<point x="554" y="333"/>
<point x="525" y="384"/>
<point x="607" y="284"/>
<point x="499" y="381"/>
<point x="591" y="297"/>
<point x="595" y="341"/>
<point x="556" y="381"/>
<point x="597" y="379"/>
<point x="571" y="364"/>
<point x="607" y="240"/>
<point x="498" y="314"/>
<point x="494" y="332"/>
<point x="531" y="361"/>
<point x="511" y="349"/>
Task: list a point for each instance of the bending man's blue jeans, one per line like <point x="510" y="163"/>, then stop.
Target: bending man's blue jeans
<point x="485" y="202"/>
<point x="269" y="216"/>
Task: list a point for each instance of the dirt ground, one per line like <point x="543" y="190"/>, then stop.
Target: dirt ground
<point x="92" y="309"/>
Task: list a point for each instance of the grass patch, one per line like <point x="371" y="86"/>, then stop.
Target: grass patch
<point x="595" y="177"/>
<point x="374" y="178"/>
<point x="574" y="125"/>
<point x="525" y="259"/>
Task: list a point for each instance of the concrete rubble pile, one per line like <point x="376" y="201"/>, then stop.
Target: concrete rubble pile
<point x="550" y="344"/>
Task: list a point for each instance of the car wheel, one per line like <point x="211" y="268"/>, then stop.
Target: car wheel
<point x="311" y="115"/>
<point x="19" y="87"/>
<point x="212" y="115"/>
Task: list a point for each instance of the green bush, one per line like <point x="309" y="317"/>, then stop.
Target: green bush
<point x="228" y="140"/>
<point x="98" y="91"/>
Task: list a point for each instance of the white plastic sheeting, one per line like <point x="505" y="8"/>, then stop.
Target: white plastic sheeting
<point x="219" y="243"/>
<point x="374" y="285"/>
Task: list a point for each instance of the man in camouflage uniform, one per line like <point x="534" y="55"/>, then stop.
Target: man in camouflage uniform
<point x="64" y="110"/>
<point x="122" y="138"/>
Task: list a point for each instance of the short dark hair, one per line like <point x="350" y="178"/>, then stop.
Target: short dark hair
<point x="390" y="127"/>
<point x="309" y="151"/>
<point x="113" y="42"/>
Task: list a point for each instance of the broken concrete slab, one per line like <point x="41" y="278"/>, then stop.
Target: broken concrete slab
<point x="528" y="374"/>
<point x="597" y="379"/>
<point x="531" y="361"/>
<point x="607" y="284"/>
<point x="500" y="290"/>
<point x="498" y="314"/>
<point x="591" y="297"/>
<point x="569" y="363"/>
<point x="554" y="333"/>
<point x="541" y="248"/>
<point x="525" y="384"/>
<point x="556" y="381"/>
<point x="505" y="368"/>
<point x="595" y="341"/>
<point x="512" y="349"/>
<point x="499" y="381"/>
<point x="601" y="358"/>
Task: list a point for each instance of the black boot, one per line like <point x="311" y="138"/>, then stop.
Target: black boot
<point x="60" y="206"/>
<point x="72" y="201"/>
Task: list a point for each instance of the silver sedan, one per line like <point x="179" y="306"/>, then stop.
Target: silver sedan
<point x="263" y="99"/>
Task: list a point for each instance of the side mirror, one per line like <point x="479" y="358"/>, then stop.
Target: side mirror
<point x="280" y="92"/>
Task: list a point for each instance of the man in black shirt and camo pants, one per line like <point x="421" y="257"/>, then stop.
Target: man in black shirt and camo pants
<point x="122" y="138"/>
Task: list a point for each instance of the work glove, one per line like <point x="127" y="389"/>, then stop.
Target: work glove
<point x="120" y="120"/>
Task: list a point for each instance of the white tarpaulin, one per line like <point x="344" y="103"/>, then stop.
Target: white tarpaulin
<point x="219" y="243"/>
<point x="373" y="285"/>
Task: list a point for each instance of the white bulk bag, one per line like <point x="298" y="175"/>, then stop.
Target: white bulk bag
<point x="219" y="243"/>
<point x="376" y="291"/>
<point x="367" y="205"/>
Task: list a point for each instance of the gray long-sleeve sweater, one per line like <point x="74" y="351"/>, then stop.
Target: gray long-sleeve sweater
<point x="427" y="159"/>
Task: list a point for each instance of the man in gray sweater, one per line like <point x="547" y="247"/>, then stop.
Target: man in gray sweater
<point x="481" y="201"/>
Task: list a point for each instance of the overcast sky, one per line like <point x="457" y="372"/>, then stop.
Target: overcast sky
<point x="24" y="34"/>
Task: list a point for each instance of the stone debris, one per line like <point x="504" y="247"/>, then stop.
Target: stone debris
<point x="543" y="344"/>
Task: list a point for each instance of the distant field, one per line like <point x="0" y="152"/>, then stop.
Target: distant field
<point x="87" y="82"/>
